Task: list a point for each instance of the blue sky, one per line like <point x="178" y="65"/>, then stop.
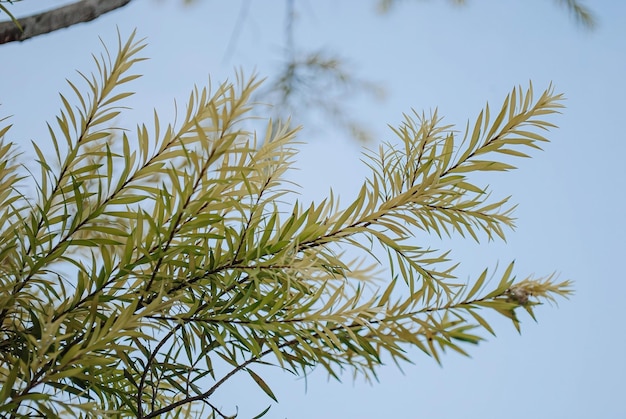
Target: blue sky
<point x="426" y="54"/>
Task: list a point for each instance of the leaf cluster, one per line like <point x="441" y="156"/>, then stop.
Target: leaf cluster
<point x="151" y="265"/>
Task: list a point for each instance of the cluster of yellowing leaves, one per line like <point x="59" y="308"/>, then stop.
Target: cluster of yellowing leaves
<point x="152" y="265"/>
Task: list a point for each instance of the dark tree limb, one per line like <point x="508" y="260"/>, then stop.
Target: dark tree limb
<point x="52" y="20"/>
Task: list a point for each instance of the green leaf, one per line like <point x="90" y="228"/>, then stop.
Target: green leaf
<point x="477" y="285"/>
<point x="260" y="415"/>
<point x="7" y="386"/>
<point x="261" y="384"/>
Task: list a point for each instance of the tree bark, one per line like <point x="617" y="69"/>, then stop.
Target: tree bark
<point x="52" y="20"/>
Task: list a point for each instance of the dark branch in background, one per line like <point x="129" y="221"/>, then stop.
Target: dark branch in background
<point x="52" y="20"/>
<point x="309" y="82"/>
<point x="581" y="13"/>
<point x="316" y="83"/>
<point x="319" y="83"/>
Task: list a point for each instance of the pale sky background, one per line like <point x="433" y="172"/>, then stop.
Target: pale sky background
<point x="427" y="54"/>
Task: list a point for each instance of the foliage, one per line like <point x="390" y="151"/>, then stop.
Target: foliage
<point x="151" y="266"/>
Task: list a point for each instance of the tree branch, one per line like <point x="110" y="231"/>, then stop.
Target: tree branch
<point x="52" y="20"/>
